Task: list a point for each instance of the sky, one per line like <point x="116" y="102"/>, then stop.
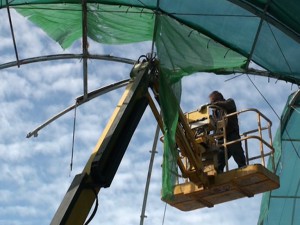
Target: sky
<point x="35" y="173"/>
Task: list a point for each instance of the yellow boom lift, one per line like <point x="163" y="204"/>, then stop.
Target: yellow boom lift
<point x="196" y="141"/>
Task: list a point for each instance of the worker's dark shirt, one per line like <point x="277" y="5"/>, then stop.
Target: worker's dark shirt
<point x="229" y="106"/>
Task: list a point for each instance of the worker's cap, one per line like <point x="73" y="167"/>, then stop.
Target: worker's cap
<point x="215" y="96"/>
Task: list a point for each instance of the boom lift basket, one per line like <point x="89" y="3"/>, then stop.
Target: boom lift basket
<point x="233" y="184"/>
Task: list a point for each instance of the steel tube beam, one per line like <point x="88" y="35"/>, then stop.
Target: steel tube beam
<point x="66" y="56"/>
<point x="79" y="101"/>
<point x="84" y="48"/>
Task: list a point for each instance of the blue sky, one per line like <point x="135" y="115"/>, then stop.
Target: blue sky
<point x="35" y="173"/>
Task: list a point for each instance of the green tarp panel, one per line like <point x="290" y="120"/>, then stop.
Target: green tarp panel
<point x="106" y="24"/>
<point x="272" y="43"/>
<point x="220" y="36"/>
<point x="282" y="206"/>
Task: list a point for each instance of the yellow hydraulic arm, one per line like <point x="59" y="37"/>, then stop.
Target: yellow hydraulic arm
<point x="107" y="154"/>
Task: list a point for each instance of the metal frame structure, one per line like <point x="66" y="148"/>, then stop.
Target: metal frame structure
<point x="259" y="136"/>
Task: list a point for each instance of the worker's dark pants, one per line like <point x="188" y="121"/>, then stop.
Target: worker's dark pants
<point x="234" y="150"/>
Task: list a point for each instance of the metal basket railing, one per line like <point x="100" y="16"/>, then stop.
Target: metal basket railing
<point x="251" y="135"/>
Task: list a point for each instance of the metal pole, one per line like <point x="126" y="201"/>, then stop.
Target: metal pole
<point x="149" y="174"/>
<point x="271" y="143"/>
<point x="260" y="143"/>
<point x="225" y="143"/>
<point x="79" y="101"/>
<point x="246" y="150"/>
<point x="47" y="58"/>
<point x="84" y="48"/>
<point x="12" y="33"/>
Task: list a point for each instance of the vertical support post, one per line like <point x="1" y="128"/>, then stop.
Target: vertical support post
<point x="246" y="150"/>
<point x="186" y="162"/>
<point x="257" y="35"/>
<point x="84" y="48"/>
<point x="225" y="144"/>
<point x="154" y="28"/>
<point x="153" y="152"/>
<point x="271" y="144"/>
<point x="260" y="143"/>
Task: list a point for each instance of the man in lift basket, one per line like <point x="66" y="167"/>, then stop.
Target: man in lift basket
<point x="232" y="131"/>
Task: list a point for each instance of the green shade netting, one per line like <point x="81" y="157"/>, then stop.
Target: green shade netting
<point x="282" y="206"/>
<point x="182" y="52"/>
<point x="106" y="24"/>
<point x="234" y="24"/>
<point x="236" y="27"/>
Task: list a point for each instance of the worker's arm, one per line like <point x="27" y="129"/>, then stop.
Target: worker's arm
<point x="201" y="107"/>
<point x="228" y="105"/>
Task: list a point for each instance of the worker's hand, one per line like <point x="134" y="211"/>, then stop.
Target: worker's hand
<point x="201" y="107"/>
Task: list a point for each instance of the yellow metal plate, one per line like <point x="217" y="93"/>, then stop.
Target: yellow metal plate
<point x="238" y="183"/>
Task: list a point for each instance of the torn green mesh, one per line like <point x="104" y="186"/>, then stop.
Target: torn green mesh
<point x="182" y="52"/>
<point x="106" y="24"/>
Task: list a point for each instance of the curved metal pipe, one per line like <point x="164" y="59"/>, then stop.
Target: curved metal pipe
<point x="65" y="56"/>
<point x="79" y="101"/>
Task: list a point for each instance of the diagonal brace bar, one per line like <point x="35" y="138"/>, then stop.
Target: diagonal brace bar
<point x="12" y="33"/>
